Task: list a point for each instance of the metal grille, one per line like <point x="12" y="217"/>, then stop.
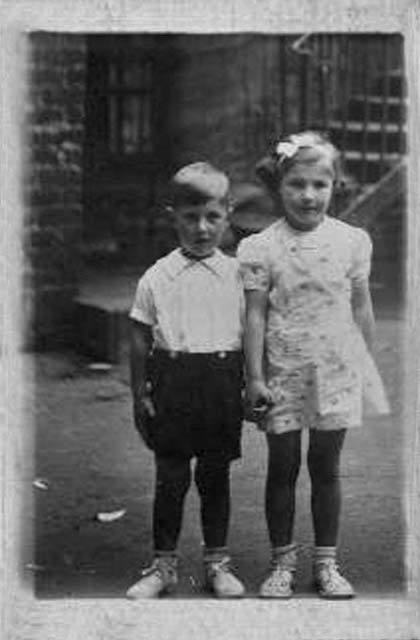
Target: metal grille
<point x="353" y="87"/>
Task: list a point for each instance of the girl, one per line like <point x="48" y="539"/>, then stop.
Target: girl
<point x="308" y="335"/>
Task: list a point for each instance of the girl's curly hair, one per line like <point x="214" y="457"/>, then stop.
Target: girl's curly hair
<point x="272" y="168"/>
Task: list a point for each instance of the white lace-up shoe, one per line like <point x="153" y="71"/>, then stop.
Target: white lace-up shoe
<point x="161" y="577"/>
<point x="221" y="581"/>
<point x="330" y="583"/>
<point x="279" y="583"/>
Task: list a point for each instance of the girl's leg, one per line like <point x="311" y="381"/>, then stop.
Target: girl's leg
<point x="284" y="458"/>
<point x="173" y="478"/>
<point x="213" y="484"/>
<point x="324" y="469"/>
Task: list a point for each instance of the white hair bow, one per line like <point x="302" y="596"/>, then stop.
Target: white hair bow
<point x="286" y="149"/>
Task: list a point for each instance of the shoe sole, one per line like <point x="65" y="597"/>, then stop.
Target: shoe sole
<point x="211" y="591"/>
<point x="325" y="596"/>
<point x="264" y="597"/>
<point x="165" y="592"/>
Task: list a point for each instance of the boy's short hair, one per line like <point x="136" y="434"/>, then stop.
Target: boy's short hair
<point x="198" y="183"/>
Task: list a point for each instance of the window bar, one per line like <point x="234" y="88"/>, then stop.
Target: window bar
<point x="385" y="102"/>
<point x="119" y="107"/>
<point x="366" y="84"/>
<point x="282" y="126"/>
<point x="345" y="99"/>
<point x="304" y="86"/>
<point x="140" y="99"/>
<point x="324" y="79"/>
<point x="400" y="109"/>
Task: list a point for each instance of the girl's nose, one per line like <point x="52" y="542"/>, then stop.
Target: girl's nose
<point x="308" y="193"/>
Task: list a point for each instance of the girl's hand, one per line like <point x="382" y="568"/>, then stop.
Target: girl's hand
<point x="259" y="400"/>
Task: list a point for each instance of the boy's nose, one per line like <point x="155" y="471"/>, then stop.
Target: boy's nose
<point x="202" y="224"/>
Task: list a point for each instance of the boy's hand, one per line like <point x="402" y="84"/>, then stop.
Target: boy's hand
<point x="259" y="400"/>
<point x="143" y="409"/>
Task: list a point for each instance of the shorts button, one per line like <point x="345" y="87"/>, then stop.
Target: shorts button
<point x="222" y="354"/>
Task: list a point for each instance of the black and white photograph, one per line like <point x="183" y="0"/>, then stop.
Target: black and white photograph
<point x="217" y="406"/>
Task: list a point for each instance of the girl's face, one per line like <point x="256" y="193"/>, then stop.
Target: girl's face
<point x="306" y="191"/>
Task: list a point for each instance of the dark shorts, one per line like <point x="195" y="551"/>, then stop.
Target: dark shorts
<point x="198" y="403"/>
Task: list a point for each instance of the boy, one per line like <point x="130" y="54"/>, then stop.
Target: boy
<point x="188" y="309"/>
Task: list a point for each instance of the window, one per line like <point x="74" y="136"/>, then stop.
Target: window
<point x="129" y="109"/>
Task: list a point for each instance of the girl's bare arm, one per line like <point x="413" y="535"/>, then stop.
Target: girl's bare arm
<point x="254" y="337"/>
<point x="363" y="311"/>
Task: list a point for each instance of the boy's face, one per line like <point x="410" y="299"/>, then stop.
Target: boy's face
<point x="200" y="227"/>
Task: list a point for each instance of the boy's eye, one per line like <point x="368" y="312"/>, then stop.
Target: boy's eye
<point x="213" y="216"/>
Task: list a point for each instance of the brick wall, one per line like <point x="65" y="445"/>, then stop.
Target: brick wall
<point x="53" y="186"/>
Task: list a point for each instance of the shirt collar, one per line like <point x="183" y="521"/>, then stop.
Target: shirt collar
<point x="178" y="262"/>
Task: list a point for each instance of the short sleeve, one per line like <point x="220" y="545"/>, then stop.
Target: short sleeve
<point x="253" y="264"/>
<point x="143" y="308"/>
<point x="361" y="256"/>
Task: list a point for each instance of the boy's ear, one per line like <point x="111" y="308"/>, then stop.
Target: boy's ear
<point x="170" y="211"/>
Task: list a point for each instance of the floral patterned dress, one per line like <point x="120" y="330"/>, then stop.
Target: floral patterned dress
<point x="317" y="364"/>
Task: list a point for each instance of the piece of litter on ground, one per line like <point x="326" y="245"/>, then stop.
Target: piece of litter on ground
<point x="109" y="394"/>
<point x="30" y="566"/>
<point x="41" y="483"/>
<point x="86" y="570"/>
<point x="110" y="516"/>
<point x="100" y="367"/>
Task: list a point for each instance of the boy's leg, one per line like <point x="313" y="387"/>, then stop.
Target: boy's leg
<point x="284" y="459"/>
<point x="173" y="477"/>
<point x="212" y="477"/>
<point x="324" y="468"/>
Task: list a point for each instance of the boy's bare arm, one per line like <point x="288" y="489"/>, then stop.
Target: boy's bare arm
<point x="363" y="311"/>
<point x="140" y="344"/>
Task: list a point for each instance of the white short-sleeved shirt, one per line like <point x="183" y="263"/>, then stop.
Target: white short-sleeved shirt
<point x="193" y="306"/>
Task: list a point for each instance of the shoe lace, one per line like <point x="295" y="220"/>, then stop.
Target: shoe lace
<point x="281" y="573"/>
<point x="163" y="569"/>
<point x="220" y="565"/>
<point x="331" y="574"/>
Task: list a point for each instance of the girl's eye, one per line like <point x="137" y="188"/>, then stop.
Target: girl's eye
<point x="296" y="184"/>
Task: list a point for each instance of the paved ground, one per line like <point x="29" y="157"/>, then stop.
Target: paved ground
<point x="91" y="460"/>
